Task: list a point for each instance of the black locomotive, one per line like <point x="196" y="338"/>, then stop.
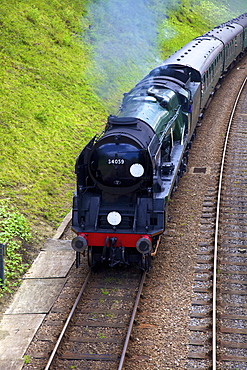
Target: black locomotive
<point x="126" y="176"/>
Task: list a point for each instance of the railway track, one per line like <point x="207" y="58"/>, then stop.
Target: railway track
<point x="98" y="328"/>
<point x="219" y="310"/>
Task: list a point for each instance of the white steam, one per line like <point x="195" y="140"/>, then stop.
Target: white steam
<point x="124" y="39"/>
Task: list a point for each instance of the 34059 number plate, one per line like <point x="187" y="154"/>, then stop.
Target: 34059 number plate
<point x="115" y="161"/>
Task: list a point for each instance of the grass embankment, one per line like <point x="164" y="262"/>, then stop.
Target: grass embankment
<point x="47" y="113"/>
<point x="49" y="110"/>
<point x="192" y="18"/>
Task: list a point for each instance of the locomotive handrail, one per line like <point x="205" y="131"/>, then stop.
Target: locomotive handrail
<point x="159" y="80"/>
<point x="169" y="123"/>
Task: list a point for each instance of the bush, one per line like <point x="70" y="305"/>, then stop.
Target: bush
<point x="15" y="232"/>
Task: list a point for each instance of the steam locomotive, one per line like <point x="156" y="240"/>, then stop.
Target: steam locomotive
<point x="126" y="176"/>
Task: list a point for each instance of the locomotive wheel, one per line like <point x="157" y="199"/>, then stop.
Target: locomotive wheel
<point x="78" y="259"/>
<point x="175" y="185"/>
<point x="90" y="256"/>
<point x="183" y="165"/>
<point x="146" y="262"/>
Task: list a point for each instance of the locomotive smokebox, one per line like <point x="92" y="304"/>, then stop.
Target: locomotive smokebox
<point x="79" y="243"/>
<point x="144" y="244"/>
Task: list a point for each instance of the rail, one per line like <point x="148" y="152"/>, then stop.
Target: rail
<point x="131" y="322"/>
<point x="138" y="287"/>
<point x="214" y="327"/>
<point x="49" y="363"/>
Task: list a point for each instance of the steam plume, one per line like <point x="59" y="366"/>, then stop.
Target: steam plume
<point x="124" y="38"/>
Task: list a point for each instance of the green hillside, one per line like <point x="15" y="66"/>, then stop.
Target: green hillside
<point x="49" y="102"/>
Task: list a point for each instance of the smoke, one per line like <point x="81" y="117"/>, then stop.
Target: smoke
<point x="124" y="37"/>
<point x="237" y="6"/>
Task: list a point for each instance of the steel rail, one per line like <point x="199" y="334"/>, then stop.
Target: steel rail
<point x="214" y="327"/>
<point x="127" y="338"/>
<point x="49" y="363"/>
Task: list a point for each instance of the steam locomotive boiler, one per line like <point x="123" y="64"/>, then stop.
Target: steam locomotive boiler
<point x="126" y="176"/>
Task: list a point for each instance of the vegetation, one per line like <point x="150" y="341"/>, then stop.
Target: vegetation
<point x="47" y="111"/>
<point x="47" y="114"/>
<point x="49" y="108"/>
<point x="189" y="20"/>
<point x="15" y="233"/>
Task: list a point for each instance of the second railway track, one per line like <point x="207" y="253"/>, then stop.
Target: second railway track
<point x="219" y="310"/>
<point x="231" y="313"/>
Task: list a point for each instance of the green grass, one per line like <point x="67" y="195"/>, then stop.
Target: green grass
<point x="47" y="112"/>
<point x="189" y="19"/>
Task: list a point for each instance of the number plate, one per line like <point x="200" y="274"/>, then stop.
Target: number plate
<point x="115" y="161"/>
